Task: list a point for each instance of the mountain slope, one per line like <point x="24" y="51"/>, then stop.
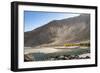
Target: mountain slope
<point x="59" y="32"/>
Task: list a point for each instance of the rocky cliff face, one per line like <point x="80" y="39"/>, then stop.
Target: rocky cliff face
<point x="58" y="32"/>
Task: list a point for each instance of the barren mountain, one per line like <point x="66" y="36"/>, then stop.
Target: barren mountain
<point x="59" y="32"/>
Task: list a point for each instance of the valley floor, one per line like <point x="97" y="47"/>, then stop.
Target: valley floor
<point x="56" y="53"/>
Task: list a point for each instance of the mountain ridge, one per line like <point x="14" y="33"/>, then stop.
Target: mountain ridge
<point x="58" y="32"/>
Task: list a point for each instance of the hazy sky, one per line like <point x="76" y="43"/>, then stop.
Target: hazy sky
<point x="33" y="19"/>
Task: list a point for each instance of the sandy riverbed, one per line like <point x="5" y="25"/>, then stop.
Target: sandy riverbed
<point x="47" y="49"/>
